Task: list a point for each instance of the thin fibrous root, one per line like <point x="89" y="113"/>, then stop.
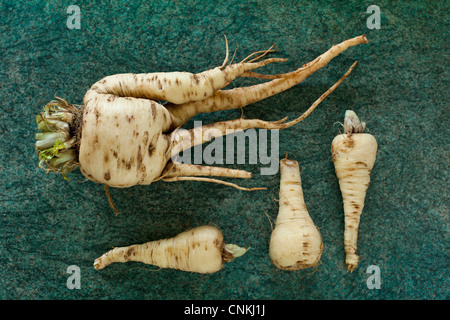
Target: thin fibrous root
<point x="110" y="200"/>
<point x="234" y="54"/>
<point x="264" y="52"/>
<point x="226" y="56"/>
<point x="211" y="180"/>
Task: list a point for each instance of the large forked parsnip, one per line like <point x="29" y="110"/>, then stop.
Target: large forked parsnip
<point x="295" y="243"/>
<point x="200" y="250"/>
<point x="354" y="154"/>
<point x="123" y="136"/>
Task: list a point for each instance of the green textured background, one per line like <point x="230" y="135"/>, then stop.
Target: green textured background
<point x="400" y="88"/>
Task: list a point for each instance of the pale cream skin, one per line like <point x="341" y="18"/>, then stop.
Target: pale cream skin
<point x="295" y="242"/>
<point x="200" y="250"/>
<point x="128" y="138"/>
<point x="354" y="157"/>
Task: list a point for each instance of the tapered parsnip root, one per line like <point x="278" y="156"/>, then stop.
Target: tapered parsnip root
<point x="295" y="242"/>
<point x="200" y="250"/>
<point x="354" y="154"/>
<point x="123" y="136"/>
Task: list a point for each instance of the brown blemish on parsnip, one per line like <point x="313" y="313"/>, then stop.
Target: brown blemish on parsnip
<point x="129" y="253"/>
<point x="151" y="149"/>
<point x="145" y="137"/>
<point x="153" y="110"/>
<point x="97" y="114"/>
<point x="349" y="143"/>
<point x="139" y="158"/>
<point x="196" y="78"/>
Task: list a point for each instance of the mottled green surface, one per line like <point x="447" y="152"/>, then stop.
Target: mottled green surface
<point x="400" y="88"/>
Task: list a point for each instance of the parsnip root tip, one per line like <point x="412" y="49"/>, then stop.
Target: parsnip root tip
<point x="352" y="261"/>
<point x="98" y="263"/>
<point x="232" y="251"/>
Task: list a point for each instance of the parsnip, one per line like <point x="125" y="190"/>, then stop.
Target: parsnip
<point x="354" y="154"/>
<point x="200" y="250"/>
<point x="123" y="136"/>
<point x="295" y="242"/>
